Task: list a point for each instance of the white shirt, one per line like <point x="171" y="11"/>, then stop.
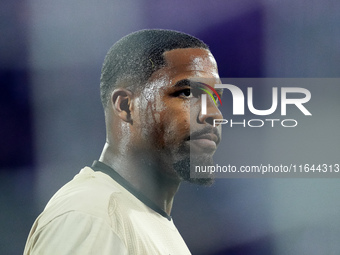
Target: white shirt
<point x="93" y="214"/>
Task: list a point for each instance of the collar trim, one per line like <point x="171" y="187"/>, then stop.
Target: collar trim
<point x="101" y="167"/>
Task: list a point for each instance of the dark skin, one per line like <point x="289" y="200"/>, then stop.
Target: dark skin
<point x="149" y="130"/>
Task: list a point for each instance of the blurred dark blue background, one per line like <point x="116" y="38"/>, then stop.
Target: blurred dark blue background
<point x="52" y="123"/>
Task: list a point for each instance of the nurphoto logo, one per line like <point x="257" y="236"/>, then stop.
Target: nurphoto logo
<point x="239" y="105"/>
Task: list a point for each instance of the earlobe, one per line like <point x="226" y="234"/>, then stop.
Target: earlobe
<point x="121" y="102"/>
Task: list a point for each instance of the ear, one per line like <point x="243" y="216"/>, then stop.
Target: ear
<point x="121" y="103"/>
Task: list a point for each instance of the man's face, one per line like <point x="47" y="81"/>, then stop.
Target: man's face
<point x="168" y="124"/>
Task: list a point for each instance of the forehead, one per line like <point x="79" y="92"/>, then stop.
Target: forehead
<point x="188" y="63"/>
<point x="191" y="60"/>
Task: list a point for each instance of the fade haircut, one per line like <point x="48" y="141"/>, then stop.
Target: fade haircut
<point x="131" y="61"/>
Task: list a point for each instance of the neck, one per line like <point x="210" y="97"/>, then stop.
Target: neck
<point x="148" y="178"/>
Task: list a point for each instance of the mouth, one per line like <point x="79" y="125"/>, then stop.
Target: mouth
<point x="206" y="140"/>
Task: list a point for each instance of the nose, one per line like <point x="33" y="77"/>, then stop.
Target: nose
<point x="212" y="112"/>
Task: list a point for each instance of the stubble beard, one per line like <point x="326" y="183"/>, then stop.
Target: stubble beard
<point x="187" y="165"/>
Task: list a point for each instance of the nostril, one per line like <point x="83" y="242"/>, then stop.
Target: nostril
<point x="210" y="120"/>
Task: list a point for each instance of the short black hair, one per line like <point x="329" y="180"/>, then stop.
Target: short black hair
<point x="136" y="56"/>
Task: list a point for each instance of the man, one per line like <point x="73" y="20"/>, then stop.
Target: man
<point x="121" y="205"/>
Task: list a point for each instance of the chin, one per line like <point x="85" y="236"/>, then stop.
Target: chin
<point x="186" y="166"/>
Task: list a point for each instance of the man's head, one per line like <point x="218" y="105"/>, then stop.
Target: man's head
<point x="152" y="101"/>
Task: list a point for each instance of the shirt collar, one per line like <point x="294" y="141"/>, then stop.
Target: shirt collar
<point x="101" y="167"/>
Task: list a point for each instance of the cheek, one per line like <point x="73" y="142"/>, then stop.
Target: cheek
<point x="176" y="125"/>
<point x="152" y="123"/>
<point x="148" y="115"/>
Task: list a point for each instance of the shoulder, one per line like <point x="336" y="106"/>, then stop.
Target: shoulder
<point x="78" y="217"/>
<point x="89" y="192"/>
<point x="74" y="233"/>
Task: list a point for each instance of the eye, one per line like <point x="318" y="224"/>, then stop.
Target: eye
<point x="185" y="93"/>
<point x="188" y="93"/>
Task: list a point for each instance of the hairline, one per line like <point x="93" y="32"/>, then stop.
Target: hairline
<point x="137" y="87"/>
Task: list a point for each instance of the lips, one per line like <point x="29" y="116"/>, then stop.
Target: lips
<point x="206" y="139"/>
<point x="206" y="136"/>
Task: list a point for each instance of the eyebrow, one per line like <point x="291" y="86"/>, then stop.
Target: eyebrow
<point x="194" y="85"/>
<point x="185" y="83"/>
